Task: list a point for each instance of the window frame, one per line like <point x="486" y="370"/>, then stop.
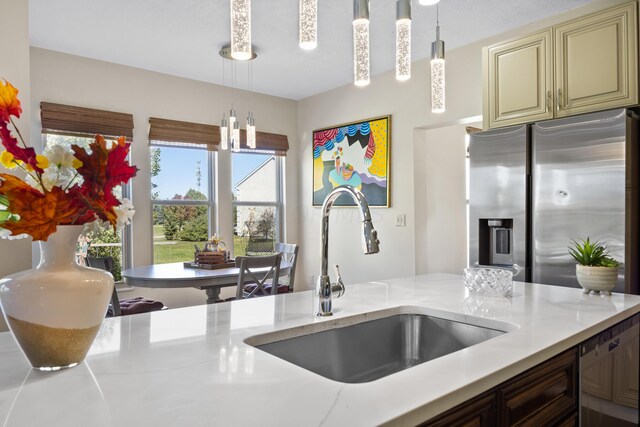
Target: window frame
<point x="278" y="204"/>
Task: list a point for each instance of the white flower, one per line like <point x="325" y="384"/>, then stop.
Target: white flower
<point x="95" y="226"/>
<point x="6" y="234"/>
<point x="125" y="213"/>
<point x="60" y="156"/>
<point x="59" y="173"/>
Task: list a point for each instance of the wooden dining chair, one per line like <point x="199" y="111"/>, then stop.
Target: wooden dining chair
<point x="126" y="306"/>
<point x="248" y="274"/>
<point x="289" y="253"/>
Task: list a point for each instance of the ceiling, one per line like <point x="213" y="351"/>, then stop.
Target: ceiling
<point x="182" y="38"/>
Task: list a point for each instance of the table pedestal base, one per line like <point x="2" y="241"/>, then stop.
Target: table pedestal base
<point x="213" y="295"/>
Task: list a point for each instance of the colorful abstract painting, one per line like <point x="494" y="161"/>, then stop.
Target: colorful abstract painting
<point x="355" y="154"/>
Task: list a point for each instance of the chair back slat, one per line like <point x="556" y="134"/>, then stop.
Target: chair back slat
<point x="248" y="273"/>
<point x="289" y="253"/>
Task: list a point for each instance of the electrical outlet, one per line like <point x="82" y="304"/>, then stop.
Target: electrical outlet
<point x="401" y="220"/>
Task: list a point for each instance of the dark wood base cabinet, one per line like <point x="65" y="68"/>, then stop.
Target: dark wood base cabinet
<point x="545" y="395"/>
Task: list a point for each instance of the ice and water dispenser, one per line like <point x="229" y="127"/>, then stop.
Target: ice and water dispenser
<point x="496" y="242"/>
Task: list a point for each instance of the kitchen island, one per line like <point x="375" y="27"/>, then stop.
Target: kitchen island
<point x="191" y="366"/>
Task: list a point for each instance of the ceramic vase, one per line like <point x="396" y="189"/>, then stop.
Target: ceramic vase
<point x="55" y="310"/>
<point x="597" y="279"/>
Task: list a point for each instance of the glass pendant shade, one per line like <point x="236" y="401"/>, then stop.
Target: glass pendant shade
<point x="308" y="24"/>
<point x="251" y="131"/>
<point x="361" y="52"/>
<point x="361" y="42"/>
<point x="403" y="39"/>
<point x="437" y="85"/>
<point x="241" y="30"/>
<point x="235" y="137"/>
<point x="224" y="132"/>
<point x="232" y="118"/>
<point x="437" y="74"/>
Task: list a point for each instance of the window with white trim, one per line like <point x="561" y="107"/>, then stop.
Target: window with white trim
<point x="257" y="181"/>
<point x="182" y="187"/>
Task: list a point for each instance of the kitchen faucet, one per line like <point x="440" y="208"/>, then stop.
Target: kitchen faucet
<point x="370" y="242"/>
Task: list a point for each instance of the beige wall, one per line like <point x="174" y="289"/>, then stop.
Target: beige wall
<point x="440" y="202"/>
<point x="74" y="80"/>
<point x="15" y="255"/>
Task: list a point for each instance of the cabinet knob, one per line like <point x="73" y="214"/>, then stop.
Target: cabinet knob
<point x="549" y="100"/>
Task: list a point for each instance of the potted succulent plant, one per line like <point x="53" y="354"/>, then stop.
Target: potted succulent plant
<point x="596" y="270"/>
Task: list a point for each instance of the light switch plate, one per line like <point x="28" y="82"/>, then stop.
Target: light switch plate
<point x="401" y="220"/>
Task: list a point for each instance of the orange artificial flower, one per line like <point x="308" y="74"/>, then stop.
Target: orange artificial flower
<point x="9" y="103"/>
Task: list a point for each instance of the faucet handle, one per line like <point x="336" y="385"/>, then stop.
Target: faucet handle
<point x="338" y="287"/>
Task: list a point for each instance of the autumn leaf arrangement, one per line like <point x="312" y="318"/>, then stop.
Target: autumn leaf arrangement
<point x="65" y="185"/>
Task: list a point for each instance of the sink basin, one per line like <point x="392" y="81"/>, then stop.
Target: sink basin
<point x="372" y="349"/>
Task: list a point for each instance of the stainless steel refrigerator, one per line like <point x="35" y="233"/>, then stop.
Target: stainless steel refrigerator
<point x="534" y="188"/>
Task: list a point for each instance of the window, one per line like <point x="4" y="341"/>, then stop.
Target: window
<point x="257" y="202"/>
<point x="69" y="125"/>
<point x="182" y="183"/>
<point x="105" y="242"/>
<point x="180" y="191"/>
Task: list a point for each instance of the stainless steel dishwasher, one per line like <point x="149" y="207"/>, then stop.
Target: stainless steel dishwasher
<point x="609" y="376"/>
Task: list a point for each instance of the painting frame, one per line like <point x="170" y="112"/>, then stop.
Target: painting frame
<point x="356" y="153"/>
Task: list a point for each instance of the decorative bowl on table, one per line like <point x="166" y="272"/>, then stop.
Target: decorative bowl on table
<point x="347" y="171"/>
<point x="492" y="282"/>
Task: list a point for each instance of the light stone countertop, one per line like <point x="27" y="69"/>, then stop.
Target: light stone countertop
<point x="191" y="367"/>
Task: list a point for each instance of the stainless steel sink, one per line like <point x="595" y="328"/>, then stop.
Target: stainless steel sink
<point x="372" y="349"/>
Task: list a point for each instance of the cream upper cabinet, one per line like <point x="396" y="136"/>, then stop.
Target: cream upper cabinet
<point x="584" y="65"/>
<point x="520" y="81"/>
<point x="596" y="61"/>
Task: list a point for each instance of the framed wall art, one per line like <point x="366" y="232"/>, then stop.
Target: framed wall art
<point x="355" y="154"/>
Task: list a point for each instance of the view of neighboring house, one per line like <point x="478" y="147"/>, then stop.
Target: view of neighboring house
<point x="257" y="186"/>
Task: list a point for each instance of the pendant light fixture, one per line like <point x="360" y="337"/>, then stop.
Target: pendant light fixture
<point x="224" y="132"/>
<point x="308" y="24"/>
<point x="251" y="131"/>
<point x="230" y="128"/>
<point x="241" y="30"/>
<point x="403" y="39"/>
<point x="235" y="137"/>
<point x="251" y="125"/>
<point x="233" y="124"/>
<point x="361" y="42"/>
<point x="437" y="71"/>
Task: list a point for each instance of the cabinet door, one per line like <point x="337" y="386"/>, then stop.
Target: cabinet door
<point x="541" y="396"/>
<point x="478" y="412"/>
<point x="625" y="373"/>
<point x="518" y="81"/>
<point x="595" y="62"/>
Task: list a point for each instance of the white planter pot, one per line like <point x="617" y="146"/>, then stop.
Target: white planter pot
<point x="55" y="310"/>
<point x="597" y="279"/>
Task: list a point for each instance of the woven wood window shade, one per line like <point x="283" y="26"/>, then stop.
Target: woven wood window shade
<point x="70" y="120"/>
<point x="271" y="142"/>
<point x="173" y="131"/>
